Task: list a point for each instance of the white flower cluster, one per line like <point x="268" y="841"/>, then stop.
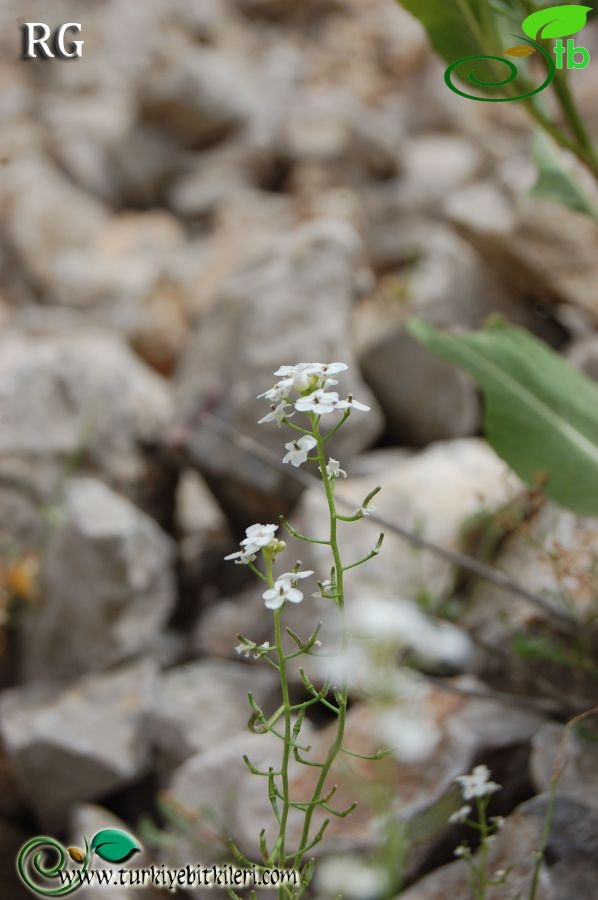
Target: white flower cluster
<point x="257" y="537"/>
<point x="311" y="383"/>
<point x="477" y="784"/>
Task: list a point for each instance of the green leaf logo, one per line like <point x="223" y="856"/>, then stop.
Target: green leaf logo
<point x="114" y="845"/>
<point x="556" y="22"/>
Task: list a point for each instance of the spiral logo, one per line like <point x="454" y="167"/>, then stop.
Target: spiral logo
<point x="513" y="73"/>
<point x="42" y="859"/>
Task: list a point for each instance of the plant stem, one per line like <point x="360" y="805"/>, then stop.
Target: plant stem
<point x="340" y="600"/>
<point x="287" y="739"/>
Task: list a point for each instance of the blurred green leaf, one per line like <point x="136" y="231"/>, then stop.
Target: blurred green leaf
<point x="557" y="181"/>
<point x="541" y="414"/>
<point x="452" y="26"/>
<point x="556" y="22"/>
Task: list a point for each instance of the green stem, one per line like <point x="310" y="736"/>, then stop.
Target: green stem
<point x="340" y="599"/>
<point x="286" y="705"/>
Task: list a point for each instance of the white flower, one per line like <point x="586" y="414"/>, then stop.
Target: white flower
<point x="278" y="393"/>
<point x="258" y="536"/>
<point x="298" y="450"/>
<point x="278" y="413"/>
<point x="241" y="557"/>
<point x="281" y="591"/>
<point x="351" y="403"/>
<point x="319" y="402"/>
<point x="296" y="376"/>
<point x="352" y="878"/>
<point x="246" y="647"/>
<point x="324" y="590"/>
<point x="498" y="822"/>
<point x="295" y="576"/>
<point x="460" y="815"/>
<point x="412" y="736"/>
<point x="333" y="469"/>
<point x="477" y="784"/>
<point x="365" y="511"/>
<point x="462" y="850"/>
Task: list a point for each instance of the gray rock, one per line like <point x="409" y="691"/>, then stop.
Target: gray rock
<point x="200" y="705"/>
<point x="584" y="354"/>
<point x="107" y="578"/>
<point x="201" y="98"/>
<point x="277" y="304"/>
<point x="216" y="786"/>
<point x="87" y="398"/>
<point x="433" y="493"/>
<point x="445" y="403"/>
<point x="542" y="249"/>
<point x="74" y="744"/>
<point x="553" y="555"/>
<point x="133" y="279"/>
<point x="558" y="750"/>
<point x="31" y="198"/>
<point x="570" y="869"/>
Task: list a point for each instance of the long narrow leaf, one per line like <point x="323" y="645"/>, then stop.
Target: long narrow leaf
<point x="541" y="414"/>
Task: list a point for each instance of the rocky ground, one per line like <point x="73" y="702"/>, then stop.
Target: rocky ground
<point x="216" y="188"/>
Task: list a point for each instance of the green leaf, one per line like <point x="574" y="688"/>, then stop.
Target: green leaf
<point x="541" y="414"/>
<point x="556" y="22"/>
<point x="454" y="28"/>
<point x="556" y="181"/>
<point x="114" y="845"/>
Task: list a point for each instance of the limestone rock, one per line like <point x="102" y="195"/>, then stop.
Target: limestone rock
<point x="79" y="743"/>
<point x="78" y="395"/>
<point x="543" y="249"/>
<point x="277" y="305"/>
<point x="433" y="493"/>
<point x="570" y="869"/>
<point x="107" y="581"/>
<point x="200" y="705"/>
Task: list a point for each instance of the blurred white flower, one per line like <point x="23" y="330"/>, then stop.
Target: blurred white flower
<point x="333" y="469"/>
<point x="352" y="878"/>
<point x="281" y="592"/>
<point x="460" y="815"/>
<point x="477" y="784"/>
<point x="246" y="647"/>
<point x="298" y="450"/>
<point x="403" y="623"/>
<point x="319" y="402"/>
<point x="411" y="736"/>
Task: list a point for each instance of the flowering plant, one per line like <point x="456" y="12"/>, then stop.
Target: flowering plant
<point x="306" y="391"/>
<point x="479" y="788"/>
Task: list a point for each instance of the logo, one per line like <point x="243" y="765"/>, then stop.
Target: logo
<point x="37" y="34"/>
<point x="557" y="22"/>
<point x="43" y="862"/>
